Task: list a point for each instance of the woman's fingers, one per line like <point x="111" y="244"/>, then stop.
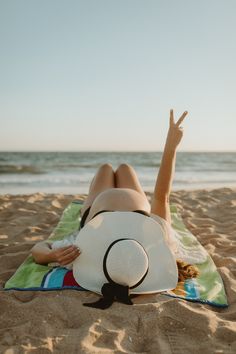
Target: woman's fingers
<point x="181" y="119"/>
<point x="68" y="258"/>
<point x="172" y="117"/>
<point x="67" y="250"/>
<point x="177" y="124"/>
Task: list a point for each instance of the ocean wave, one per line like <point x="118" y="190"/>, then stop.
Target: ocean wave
<point x="75" y="165"/>
<point x="19" y="169"/>
<point x="96" y="165"/>
<point x="212" y="181"/>
<point x="148" y="164"/>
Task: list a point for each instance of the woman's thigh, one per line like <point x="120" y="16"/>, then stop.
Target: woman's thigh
<point x="126" y="177"/>
<point x="104" y="179"/>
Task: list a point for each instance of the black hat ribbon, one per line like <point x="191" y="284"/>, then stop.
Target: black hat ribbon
<point x="112" y="291"/>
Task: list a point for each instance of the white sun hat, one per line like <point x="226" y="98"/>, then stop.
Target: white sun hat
<point x="124" y="248"/>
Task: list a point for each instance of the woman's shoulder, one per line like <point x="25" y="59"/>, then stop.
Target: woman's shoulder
<point x="169" y="232"/>
<point x="163" y="223"/>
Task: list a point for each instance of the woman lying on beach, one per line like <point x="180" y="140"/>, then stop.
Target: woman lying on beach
<point x="121" y="191"/>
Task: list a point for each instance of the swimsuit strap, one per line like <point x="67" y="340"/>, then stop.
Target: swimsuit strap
<point x="84" y="217"/>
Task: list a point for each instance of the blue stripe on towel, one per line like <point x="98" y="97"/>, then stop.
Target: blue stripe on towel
<point x="55" y="278"/>
<point x="190" y="286"/>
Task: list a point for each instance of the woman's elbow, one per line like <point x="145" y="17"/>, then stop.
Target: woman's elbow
<point x="36" y="256"/>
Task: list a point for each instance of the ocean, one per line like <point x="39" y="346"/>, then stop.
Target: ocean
<point x="71" y="172"/>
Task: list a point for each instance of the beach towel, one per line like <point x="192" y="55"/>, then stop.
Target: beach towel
<point x="207" y="288"/>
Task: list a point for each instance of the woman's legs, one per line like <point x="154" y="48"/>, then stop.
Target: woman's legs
<point x="104" y="179"/>
<point x="126" y="177"/>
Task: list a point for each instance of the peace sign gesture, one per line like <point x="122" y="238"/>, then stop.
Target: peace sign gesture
<point x="175" y="132"/>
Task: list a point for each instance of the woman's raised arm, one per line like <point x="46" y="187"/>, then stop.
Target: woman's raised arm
<point x="160" y="202"/>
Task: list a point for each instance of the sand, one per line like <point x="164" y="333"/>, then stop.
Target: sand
<point x="56" y="321"/>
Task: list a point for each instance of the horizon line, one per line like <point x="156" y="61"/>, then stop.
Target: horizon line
<point x="114" y="151"/>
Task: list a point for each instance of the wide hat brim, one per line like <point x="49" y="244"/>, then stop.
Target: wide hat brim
<point x="96" y="236"/>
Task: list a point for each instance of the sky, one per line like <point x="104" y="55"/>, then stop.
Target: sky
<point x="102" y="75"/>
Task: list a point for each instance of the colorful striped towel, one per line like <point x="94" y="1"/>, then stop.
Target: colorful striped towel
<point x="207" y="288"/>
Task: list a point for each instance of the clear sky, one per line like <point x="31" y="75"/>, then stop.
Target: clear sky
<point x="102" y="74"/>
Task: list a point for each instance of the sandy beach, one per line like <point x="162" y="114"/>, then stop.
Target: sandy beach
<point x="56" y="321"/>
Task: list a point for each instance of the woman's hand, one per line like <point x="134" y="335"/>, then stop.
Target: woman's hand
<point x="175" y="132"/>
<point x="64" y="255"/>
